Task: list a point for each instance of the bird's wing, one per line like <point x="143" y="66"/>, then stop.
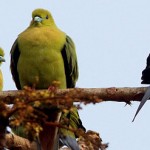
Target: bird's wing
<point x="70" y="62"/>
<point x="71" y="69"/>
<point x="13" y="63"/>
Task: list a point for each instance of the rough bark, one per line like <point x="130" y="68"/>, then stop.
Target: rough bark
<point x="87" y="95"/>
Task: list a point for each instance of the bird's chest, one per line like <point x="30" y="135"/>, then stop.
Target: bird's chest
<point x="41" y="38"/>
<point x="40" y="62"/>
<point x="41" y="69"/>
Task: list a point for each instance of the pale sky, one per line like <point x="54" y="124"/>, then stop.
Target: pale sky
<point x="112" y="41"/>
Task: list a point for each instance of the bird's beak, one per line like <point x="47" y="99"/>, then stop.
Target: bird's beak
<point x="37" y="19"/>
<point x="2" y="59"/>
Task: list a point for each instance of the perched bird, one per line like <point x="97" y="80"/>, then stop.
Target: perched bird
<point x="1" y="60"/>
<point x="145" y="80"/>
<point x="3" y="120"/>
<point x="40" y="55"/>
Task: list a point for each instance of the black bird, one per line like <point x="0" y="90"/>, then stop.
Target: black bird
<point x="145" y="80"/>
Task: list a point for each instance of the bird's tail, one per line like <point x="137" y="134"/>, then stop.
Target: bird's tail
<point x="70" y="118"/>
<point x="69" y="142"/>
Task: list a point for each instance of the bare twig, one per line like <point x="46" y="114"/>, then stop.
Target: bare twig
<point x="86" y="95"/>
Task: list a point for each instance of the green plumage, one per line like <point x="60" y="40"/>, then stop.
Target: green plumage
<point x="43" y="54"/>
<point x="1" y="75"/>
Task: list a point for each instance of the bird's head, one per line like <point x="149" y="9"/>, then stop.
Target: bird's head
<point x="1" y="56"/>
<point x="42" y="17"/>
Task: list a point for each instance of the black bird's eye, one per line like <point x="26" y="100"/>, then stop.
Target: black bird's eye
<point x="47" y="17"/>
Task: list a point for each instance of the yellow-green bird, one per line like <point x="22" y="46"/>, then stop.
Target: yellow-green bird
<point x="1" y="75"/>
<point x="42" y="54"/>
<point x="3" y="120"/>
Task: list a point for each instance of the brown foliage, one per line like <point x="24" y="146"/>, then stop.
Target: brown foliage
<point x="29" y="103"/>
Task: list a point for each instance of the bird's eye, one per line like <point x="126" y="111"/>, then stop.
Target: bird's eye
<point x="47" y="17"/>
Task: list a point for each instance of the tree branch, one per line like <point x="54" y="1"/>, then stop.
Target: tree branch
<point x="55" y="96"/>
<point x="19" y="143"/>
<point x="86" y="95"/>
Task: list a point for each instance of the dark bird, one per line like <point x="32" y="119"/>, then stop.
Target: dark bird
<point x="145" y="80"/>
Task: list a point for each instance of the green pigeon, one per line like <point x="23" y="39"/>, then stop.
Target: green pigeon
<point x="40" y="55"/>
